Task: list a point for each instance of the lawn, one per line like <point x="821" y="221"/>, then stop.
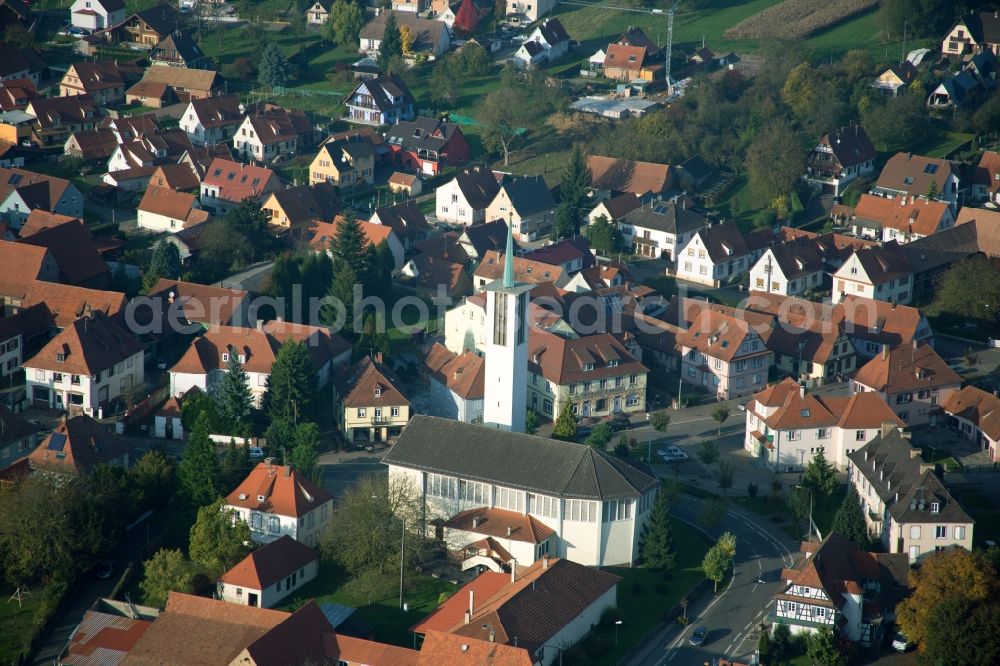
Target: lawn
<point x="644" y="597"/>
<point x="21" y="624"/>
<point x="421" y="593"/>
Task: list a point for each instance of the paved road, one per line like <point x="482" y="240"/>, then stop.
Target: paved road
<point x="731" y="616"/>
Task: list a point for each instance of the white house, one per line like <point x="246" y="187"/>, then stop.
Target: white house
<point x="595" y="505"/>
<point x="977" y="415"/>
<point x="26" y="191"/>
<point x="204" y="363"/>
<point x="274" y="133"/>
<point x="548" y="42"/>
<point x="787" y="426"/>
<point x="906" y="506"/>
<point x="464" y="198"/>
<point x="838" y="586"/>
<point x="723" y="354"/>
<point x="526" y="12"/>
<point x="86" y="366"/>
<point x="269" y="574"/>
<point x="276" y="500"/>
<point x="839" y="158"/>
<point x="164" y="209"/>
<point x="791" y="269"/>
<point x="94" y="15"/>
<point x="319" y="12"/>
<point x="457" y="384"/>
<point x="212" y="120"/>
<point x="661" y="228"/>
<point x="714" y="255"/>
<point x="882" y="273"/>
<point x="429" y="36"/>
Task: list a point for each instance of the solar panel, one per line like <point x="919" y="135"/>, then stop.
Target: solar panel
<point x="14" y="179"/>
<point x="57" y="442"/>
<point x="931" y="168"/>
<point x="661" y="210"/>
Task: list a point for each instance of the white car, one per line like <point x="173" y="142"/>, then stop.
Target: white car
<point x="900" y="643"/>
<point x="672" y="454"/>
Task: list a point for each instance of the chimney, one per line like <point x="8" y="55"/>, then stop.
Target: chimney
<point x="545" y="562"/>
<point x="802" y="390"/>
<point x="468" y="617"/>
<point x="915" y="453"/>
<point x="288" y="471"/>
<point x="475" y="522"/>
<point x="914" y="344"/>
<point x="510" y="531"/>
<point x="513" y="570"/>
<point x="260" y="325"/>
<point x="887" y="428"/>
<point x="885" y="352"/>
<point x="472" y="603"/>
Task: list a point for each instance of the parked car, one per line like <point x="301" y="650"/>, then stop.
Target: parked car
<point x="105" y="569"/>
<point x="698" y="637"/>
<point x="672" y="454"/>
<point x="256" y="453"/>
<point x="900" y="643"/>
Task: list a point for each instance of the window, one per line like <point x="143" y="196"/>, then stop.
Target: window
<point x="935" y="507"/>
<point x="274" y="525"/>
<point x="756" y="361"/>
<point x="941" y="532"/>
<point x="547" y="406"/>
<point x="617" y="510"/>
<point x="581" y="511"/>
<point x="793" y="435"/>
<point x="959" y="532"/>
<point x="914" y="552"/>
<point x="474" y="491"/>
<point x="256" y="521"/>
<point x="822" y="433"/>
<point x="394" y="411"/>
<point x="361" y="412"/>
<point x="510" y="499"/>
<point x="442" y="486"/>
<point x="378" y="413"/>
<point x="859" y="436"/>
<point x="718" y="364"/>
<point x="914" y="531"/>
<point x="819" y="612"/>
<point x="225" y="357"/>
<point x="543" y="505"/>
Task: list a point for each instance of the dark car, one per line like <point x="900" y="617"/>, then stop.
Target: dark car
<point x="105" y="569"/>
<point x="698" y="637"/>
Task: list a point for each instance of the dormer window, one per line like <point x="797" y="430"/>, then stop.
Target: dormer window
<point x="378" y="391"/>
<point x="805" y="413"/>
<point x="260" y="498"/>
<point x="613" y="363"/>
<point x="588" y="366"/>
<point x="243" y="359"/>
<point x="60" y="358"/>
<point x="935" y="507"/>
<point x="225" y="357"/>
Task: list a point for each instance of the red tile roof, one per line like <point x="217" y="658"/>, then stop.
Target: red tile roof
<point x="452" y="611"/>
<point x="368" y="383"/>
<point x="269" y="564"/>
<point x="235" y="181"/>
<point x="914" y="215"/>
<point x="73" y="249"/>
<point x="909" y="367"/>
<point x="286" y="492"/>
<point x="617" y="175"/>
<point x="103" y="639"/>
<point x="462" y="373"/>
<point x="977" y="406"/>
<point x="91" y="344"/>
<point x="501" y="523"/>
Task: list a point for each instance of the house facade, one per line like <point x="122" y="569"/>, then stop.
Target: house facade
<point x="906" y="174"/>
<point x="430" y="37"/>
<point x="269" y="574"/>
<point x="787" y="425"/>
<point x="839" y="158"/>
<point x="369" y="404"/>
<point x="976" y="416"/>
<point x="465" y="198"/>
<point x="227" y="184"/>
<point x="973" y="33"/>
<point x="319" y="12"/>
<point x="723" y="355"/>
<point x="790" y="269"/>
<point x="902" y="220"/>
<point x="835" y="585"/>
<point x="526" y="204"/>
<point x="212" y="120"/>
<point x="457" y="383"/>
<point x="906" y="506"/>
<point x="594" y="524"/>
<point x="85" y="367"/>
<point x="548" y="42"/>
<point x="383" y="100"/>
<point x="714" y="255"/>
<point x="275" y="133"/>
<point x="277" y="500"/>
<point x="94" y="15"/>
<point x="426" y="145"/>
<point x="912" y="379"/>
<point x="346" y="163"/>
<point x="880" y="273"/>
<point x="661" y="229"/>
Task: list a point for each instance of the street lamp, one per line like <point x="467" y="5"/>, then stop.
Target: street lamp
<point x="618" y="623"/>
<point x="809" y="490"/>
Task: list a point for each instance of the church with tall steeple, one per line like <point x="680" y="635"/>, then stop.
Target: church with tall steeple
<point x="505" y="399"/>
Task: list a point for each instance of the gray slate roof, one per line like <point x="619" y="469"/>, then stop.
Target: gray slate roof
<point x="667" y="217"/>
<point x="525" y="462"/>
<point x="529" y="195"/>
<point x="894" y="469"/>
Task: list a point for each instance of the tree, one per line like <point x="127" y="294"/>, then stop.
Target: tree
<point x="165" y="572"/>
<point x="274" y="68"/>
<point x="306" y="450"/>
<point x="291" y="386"/>
<point x="574" y="184"/>
<point x="165" y="263"/>
<point x="799" y="91"/>
<point x="285" y="274"/>
<point x="725" y="475"/>
<point x="235" y="464"/>
<point x="563" y="222"/>
<point x="963" y="633"/>
<point x="822" y="649"/>
<point x="780" y="643"/>
<point x="599" y="436"/>
<point x="774" y="162"/>
<point x="467" y="18"/>
<point x="218" y="540"/>
<point x="365" y="533"/>
<point x="18" y="36"/>
<point x="531" y="422"/>
<point x="406" y="39"/>
<point x="719" y="415"/>
<point x="709" y="452"/>
<point x="604" y="236"/>
<point x="197" y="403"/>
<point x="719" y="559"/>
<point x="504" y="114"/>
<point x="850" y="520"/>
<point x="764" y="647"/>
<point x="923" y="18"/>
<point x="342" y="294"/>
<point x="151" y="480"/>
<point x="233" y="395"/>
<point x="565" y="425"/>
<point x="799" y="502"/>
<point x="348" y="247"/>
<point x="345" y="22"/>
<point x="897" y="121"/>
<point x="712" y="511"/>
<point x="198" y="473"/>
<point x="820" y="477"/>
<point x="969" y="289"/>
<point x="391" y="45"/>
<point x="660" y="421"/>
<point x="658" y="544"/>
<point x="950" y="575"/>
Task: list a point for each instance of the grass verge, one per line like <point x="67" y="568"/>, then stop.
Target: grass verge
<point x="21" y="625"/>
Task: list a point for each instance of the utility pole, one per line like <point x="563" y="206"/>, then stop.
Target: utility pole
<point x="669" y="48"/>
<point x="402" y="543"/>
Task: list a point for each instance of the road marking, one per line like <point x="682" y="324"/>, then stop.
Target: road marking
<point x="747" y="627"/>
<point x="672" y="655"/>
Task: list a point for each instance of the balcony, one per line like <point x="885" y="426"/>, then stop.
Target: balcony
<point x="384" y="420"/>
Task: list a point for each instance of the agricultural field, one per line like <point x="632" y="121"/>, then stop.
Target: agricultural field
<point x="797" y="19"/>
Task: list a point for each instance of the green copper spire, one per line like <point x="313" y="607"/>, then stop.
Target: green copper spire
<point x="508" y="260"/>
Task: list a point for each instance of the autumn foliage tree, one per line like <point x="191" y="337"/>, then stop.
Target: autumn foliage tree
<point x="467" y="18"/>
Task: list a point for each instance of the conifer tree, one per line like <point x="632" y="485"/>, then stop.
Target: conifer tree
<point x="198" y="472"/>
<point x="391" y="45"/>
<point x="658" y="546"/>
<point x="291" y="386"/>
<point x="233" y="395"/>
<point x="565" y="425"/>
<point x="820" y="478"/>
<point x="849" y="520"/>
